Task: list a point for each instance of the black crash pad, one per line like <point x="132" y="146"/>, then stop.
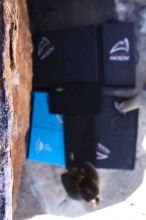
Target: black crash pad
<point x="107" y="140"/>
<point x="80" y="139"/>
<point x="75" y="98"/>
<point x="70" y="71"/>
<point x="117" y="132"/>
<point x="118" y="52"/>
<point x="74" y="57"/>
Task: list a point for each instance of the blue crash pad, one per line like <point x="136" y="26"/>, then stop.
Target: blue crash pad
<point x="46" y="143"/>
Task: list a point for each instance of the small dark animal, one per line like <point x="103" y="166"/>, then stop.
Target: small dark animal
<point x="82" y="183"/>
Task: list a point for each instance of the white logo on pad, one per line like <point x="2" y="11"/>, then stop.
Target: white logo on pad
<point x="120" y="51"/>
<point x="102" y="152"/>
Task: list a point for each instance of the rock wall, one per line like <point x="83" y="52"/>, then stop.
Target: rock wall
<point x="15" y="88"/>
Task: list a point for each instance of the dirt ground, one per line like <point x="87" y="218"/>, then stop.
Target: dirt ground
<point x="123" y="193"/>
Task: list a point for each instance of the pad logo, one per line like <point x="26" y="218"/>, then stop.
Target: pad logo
<point x="120" y="51"/>
<point x="45" y="48"/>
<point x="41" y="147"/>
<point x="102" y="152"/>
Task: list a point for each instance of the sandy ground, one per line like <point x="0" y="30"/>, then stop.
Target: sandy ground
<point x="123" y="193"/>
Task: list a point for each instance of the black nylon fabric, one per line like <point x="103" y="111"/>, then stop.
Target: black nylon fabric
<point x="118" y="72"/>
<point x="80" y="139"/>
<point x="115" y="131"/>
<point x="50" y="69"/>
<point x="75" y="57"/>
<point x="73" y="66"/>
<point x="75" y="98"/>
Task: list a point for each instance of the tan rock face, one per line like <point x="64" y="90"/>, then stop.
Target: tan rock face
<point x="17" y="74"/>
<point x="22" y="75"/>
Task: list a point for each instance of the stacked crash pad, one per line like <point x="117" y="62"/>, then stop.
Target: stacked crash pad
<point x="70" y="68"/>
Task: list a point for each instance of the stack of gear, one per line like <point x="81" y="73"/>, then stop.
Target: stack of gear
<point x="70" y="69"/>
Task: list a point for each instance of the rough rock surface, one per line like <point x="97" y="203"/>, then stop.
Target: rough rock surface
<point x="21" y="88"/>
<point x="116" y="186"/>
<point x="15" y="87"/>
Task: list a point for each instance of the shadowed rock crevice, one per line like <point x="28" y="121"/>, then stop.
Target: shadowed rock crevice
<point x="11" y="49"/>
